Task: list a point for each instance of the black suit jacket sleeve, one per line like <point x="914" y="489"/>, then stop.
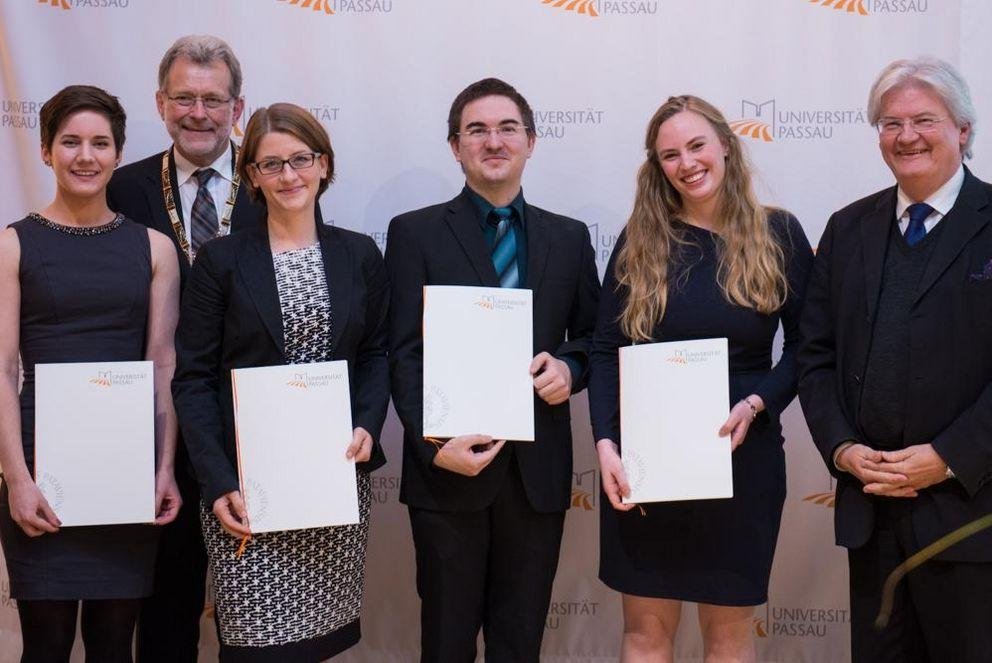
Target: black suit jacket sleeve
<point x="582" y="317"/>
<point x="407" y="275"/>
<point x="817" y="358"/>
<point x="371" y="370"/>
<point x="197" y="385"/>
<point x="604" y="382"/>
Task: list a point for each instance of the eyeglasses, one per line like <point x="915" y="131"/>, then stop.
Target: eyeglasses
<point x="893" y="126"/>
<point x="505" y="131"/>
<point x="299" y="161"/>
<point x="188" y="101"/>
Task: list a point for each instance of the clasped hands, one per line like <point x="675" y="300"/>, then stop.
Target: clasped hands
<point x="899" y="473"/>
<point x="230" y="508"/>
<point x="468" y="455"/>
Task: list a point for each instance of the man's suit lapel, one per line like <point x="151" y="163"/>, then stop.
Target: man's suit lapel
<point x="463" y="222"/>
<point x="337" y="271"/>
<point x="259" y="274"/>
<point x="875" y="227"/>
<point x="968" y="216"/>
<point x="538" y="246"/>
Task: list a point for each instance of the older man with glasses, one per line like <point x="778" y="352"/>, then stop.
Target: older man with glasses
<point x="192" y="193"/>
<point x="896" y="373"/>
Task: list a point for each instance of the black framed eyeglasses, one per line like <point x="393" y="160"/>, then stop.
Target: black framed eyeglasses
<point x="300" y="161"/>
<point x="188" y="101"/>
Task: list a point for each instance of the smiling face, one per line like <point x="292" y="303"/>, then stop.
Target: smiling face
<point x="200" y="134"/>
<point x="495" y="165"/>
<point x="289" y="190"/>
<point x="921" y="162"/>
<point x="82" y="155"/>
<point x="694" y="161"/>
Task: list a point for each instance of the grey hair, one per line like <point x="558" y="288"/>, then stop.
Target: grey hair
<point x="935" y="74"/>
<point x="202" y="50"/>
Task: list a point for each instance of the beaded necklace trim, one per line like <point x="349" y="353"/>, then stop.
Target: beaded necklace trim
<point x="78" y="230"/>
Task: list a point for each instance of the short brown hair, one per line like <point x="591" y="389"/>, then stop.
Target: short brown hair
<point x="75" y="98"/>
<point x="287" y="119"/>
<point x="487" y="87"/>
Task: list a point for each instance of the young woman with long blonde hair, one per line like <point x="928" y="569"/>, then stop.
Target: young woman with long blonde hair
<point x="699" y="258"/>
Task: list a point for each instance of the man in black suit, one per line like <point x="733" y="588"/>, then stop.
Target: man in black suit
<point x="487" y="515"/>
<point x="190" y="192"/>
<point x="896" y="373"/>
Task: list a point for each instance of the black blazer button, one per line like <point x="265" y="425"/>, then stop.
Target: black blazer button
<point x="856" y="378"/>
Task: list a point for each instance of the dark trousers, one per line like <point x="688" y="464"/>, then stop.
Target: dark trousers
<point x="942" y="611"/>
<point x="169" y="623"/>
<point x="491" y="569"/>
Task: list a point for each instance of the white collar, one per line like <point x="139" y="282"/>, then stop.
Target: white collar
<point x="185" y="168"/>
<point x="941" y="200"/>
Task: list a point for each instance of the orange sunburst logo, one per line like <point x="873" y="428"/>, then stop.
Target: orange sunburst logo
<point x="299" y="381"/>
<point x="316" y="5"/>
<point x="578" y="6"/>
<point x="752" y="129"/>
<point x="64" y="4"/>
<point x="753" y="122"/>
<point x="581" y="499"/>
<point x="677" y="359"/>
<point x="101" y="381"/>
<point x="850" y="6"/>
<point x="823" y="499"/>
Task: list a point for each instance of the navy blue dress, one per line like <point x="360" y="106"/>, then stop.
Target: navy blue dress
<point x="84" y="297"/>
<point x="710" y="551"/>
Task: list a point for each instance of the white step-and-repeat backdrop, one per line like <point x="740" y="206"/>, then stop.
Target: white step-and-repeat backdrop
<point x="381" y="74"/>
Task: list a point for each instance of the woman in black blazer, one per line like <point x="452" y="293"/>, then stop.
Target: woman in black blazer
<point x="294" y="291"/>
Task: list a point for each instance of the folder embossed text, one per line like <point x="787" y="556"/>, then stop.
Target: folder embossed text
<point x="293" y="426"/>
<point x="95" y="441"/>
<point x="478" y="345"/>
<point x="673" y="399"/>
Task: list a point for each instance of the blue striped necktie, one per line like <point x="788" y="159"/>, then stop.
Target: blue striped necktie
<point x="915" y="231"/>
<point x="203" y="215"/>
<point x="505" y="247"/>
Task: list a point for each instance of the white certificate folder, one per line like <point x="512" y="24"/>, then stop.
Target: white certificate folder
<point x="478" y="346"/>
<point x="95" y="441"/>
<point x="293" y="427"/>
<point x="673" y="400"/>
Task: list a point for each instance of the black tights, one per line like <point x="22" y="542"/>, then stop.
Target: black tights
<point x="48" y="629"/>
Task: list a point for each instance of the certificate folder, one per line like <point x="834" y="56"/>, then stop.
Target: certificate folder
<point x="95" y="441"/>
<point x="478" y="346"/>
<point x="673" y="400"/>
<point x="293" y="427"/>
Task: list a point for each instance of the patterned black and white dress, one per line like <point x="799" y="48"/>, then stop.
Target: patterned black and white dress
<point x="296" y="595"/>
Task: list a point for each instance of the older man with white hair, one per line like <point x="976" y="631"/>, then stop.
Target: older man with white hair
<point x="896" y="373"/>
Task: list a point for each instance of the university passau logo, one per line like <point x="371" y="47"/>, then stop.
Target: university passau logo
<point x="98" y="4"/>
<point x="599" y="8"/>
<point x="869" y="7"/>
<point x="331" y="7"/>
<point x="769" y="121"/>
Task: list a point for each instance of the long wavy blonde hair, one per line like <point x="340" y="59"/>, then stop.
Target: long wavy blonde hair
<point x="751" y="272"/>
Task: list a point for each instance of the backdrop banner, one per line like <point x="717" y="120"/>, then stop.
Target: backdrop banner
<point x="791" y="75"/>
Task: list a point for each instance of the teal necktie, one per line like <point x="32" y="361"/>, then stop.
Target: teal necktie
<point x="505" y="247"/>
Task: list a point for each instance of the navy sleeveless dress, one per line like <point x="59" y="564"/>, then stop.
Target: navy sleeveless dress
<point x="84" y="297"/>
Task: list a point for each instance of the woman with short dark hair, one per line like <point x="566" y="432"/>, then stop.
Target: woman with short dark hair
<point x="80" y="283"/>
